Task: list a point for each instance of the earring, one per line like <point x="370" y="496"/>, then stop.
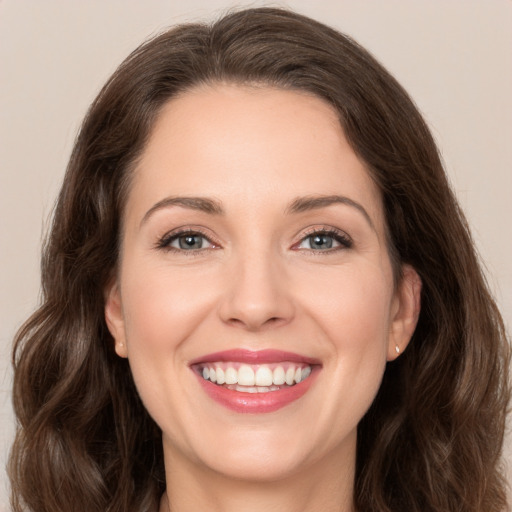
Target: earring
<point x="397" y="349"/>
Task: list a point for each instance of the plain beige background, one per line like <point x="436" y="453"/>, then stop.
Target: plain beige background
<point x="453" y="56"/>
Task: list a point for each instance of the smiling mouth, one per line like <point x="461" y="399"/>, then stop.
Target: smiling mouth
<point x="255" y="381"/>
<point x="254" y="378"/>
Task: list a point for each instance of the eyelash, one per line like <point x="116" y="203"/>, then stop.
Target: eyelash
<point x="165" y="242"/>
<point x="340" y="237"/>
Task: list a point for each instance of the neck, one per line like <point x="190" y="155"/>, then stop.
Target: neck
<point x="326" y="486"/>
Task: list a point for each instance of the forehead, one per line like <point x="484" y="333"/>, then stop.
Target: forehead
<point x="255" y="145"/>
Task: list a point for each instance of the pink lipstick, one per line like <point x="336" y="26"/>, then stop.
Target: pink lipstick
<point x="248" y="381"/>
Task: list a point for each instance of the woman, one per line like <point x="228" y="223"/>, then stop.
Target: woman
<point x="259" y="291"/>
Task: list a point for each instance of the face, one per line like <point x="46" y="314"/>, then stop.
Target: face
<point x="255" y="298"/>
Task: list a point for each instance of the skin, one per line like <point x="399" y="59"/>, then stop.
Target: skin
<point x="257" y="283"/>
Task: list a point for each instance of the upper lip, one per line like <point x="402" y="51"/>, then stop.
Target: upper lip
<point x="255" y="357"/>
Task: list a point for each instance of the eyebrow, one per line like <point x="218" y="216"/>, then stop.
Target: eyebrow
<point x="201" y="204"/>
<point x="303" y="204"/>
<point x="298" y="205"/>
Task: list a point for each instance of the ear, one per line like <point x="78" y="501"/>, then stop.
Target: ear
<point x="405" y="312"/>
<point x="115" y="319"/>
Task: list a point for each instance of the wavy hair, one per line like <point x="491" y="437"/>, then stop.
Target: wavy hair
<point x="433" y="437"/>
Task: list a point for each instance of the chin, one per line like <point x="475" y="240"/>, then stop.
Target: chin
<point x="256" y="452"/>
<point x="258" y="466"/>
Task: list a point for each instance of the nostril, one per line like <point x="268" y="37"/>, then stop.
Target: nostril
<point x="275" y="321"/>
<point x="270" y="322"/>
<point x="235" y="321"/>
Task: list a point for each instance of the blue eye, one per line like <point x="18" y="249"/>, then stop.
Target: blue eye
<point x="185" y="241"/>
<point x="188" y="242"/>
<point x="325" y="241"/>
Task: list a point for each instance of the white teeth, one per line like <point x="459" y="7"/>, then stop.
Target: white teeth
<point x="256" y="389"/>
<point x="263" y="376"/>
<point x="279" y="376"/>
<point x="231" y="376"/>
<point x="306" y="372"/>
<point x="244" y="389"/>
<point x="220" y="376"/>
<point x="246" y="376"/>
<point x="256" y="378"/>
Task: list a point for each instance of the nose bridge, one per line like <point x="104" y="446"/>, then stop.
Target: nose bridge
<point x="257" y="295"/>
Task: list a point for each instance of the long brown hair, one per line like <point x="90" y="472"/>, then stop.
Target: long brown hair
<point x="433" y="437"/>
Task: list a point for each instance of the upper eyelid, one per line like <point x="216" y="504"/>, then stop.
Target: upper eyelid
<point x="170" y="236"/>
<point x="324" y="229"/>
<point x="186" y="231"/>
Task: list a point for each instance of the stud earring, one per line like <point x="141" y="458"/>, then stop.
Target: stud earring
<point x="397" y="349"/>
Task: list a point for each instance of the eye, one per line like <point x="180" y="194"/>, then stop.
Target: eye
<point x="185" y="241"/>
<point x="189" y="242"/>
<point x="324" y="240"/>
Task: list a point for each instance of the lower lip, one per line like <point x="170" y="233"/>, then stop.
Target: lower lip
<point x="257" y="403"/>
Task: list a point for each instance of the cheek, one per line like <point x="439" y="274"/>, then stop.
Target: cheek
<point x="359" y="329"/>
<point x="162" y="306"/>
<point x="353" y="313"/>
<point x="352" y="305"/>
<point x="163" y="310"/>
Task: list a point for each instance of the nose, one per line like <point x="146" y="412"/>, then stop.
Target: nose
<point x="257" y="295"/>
